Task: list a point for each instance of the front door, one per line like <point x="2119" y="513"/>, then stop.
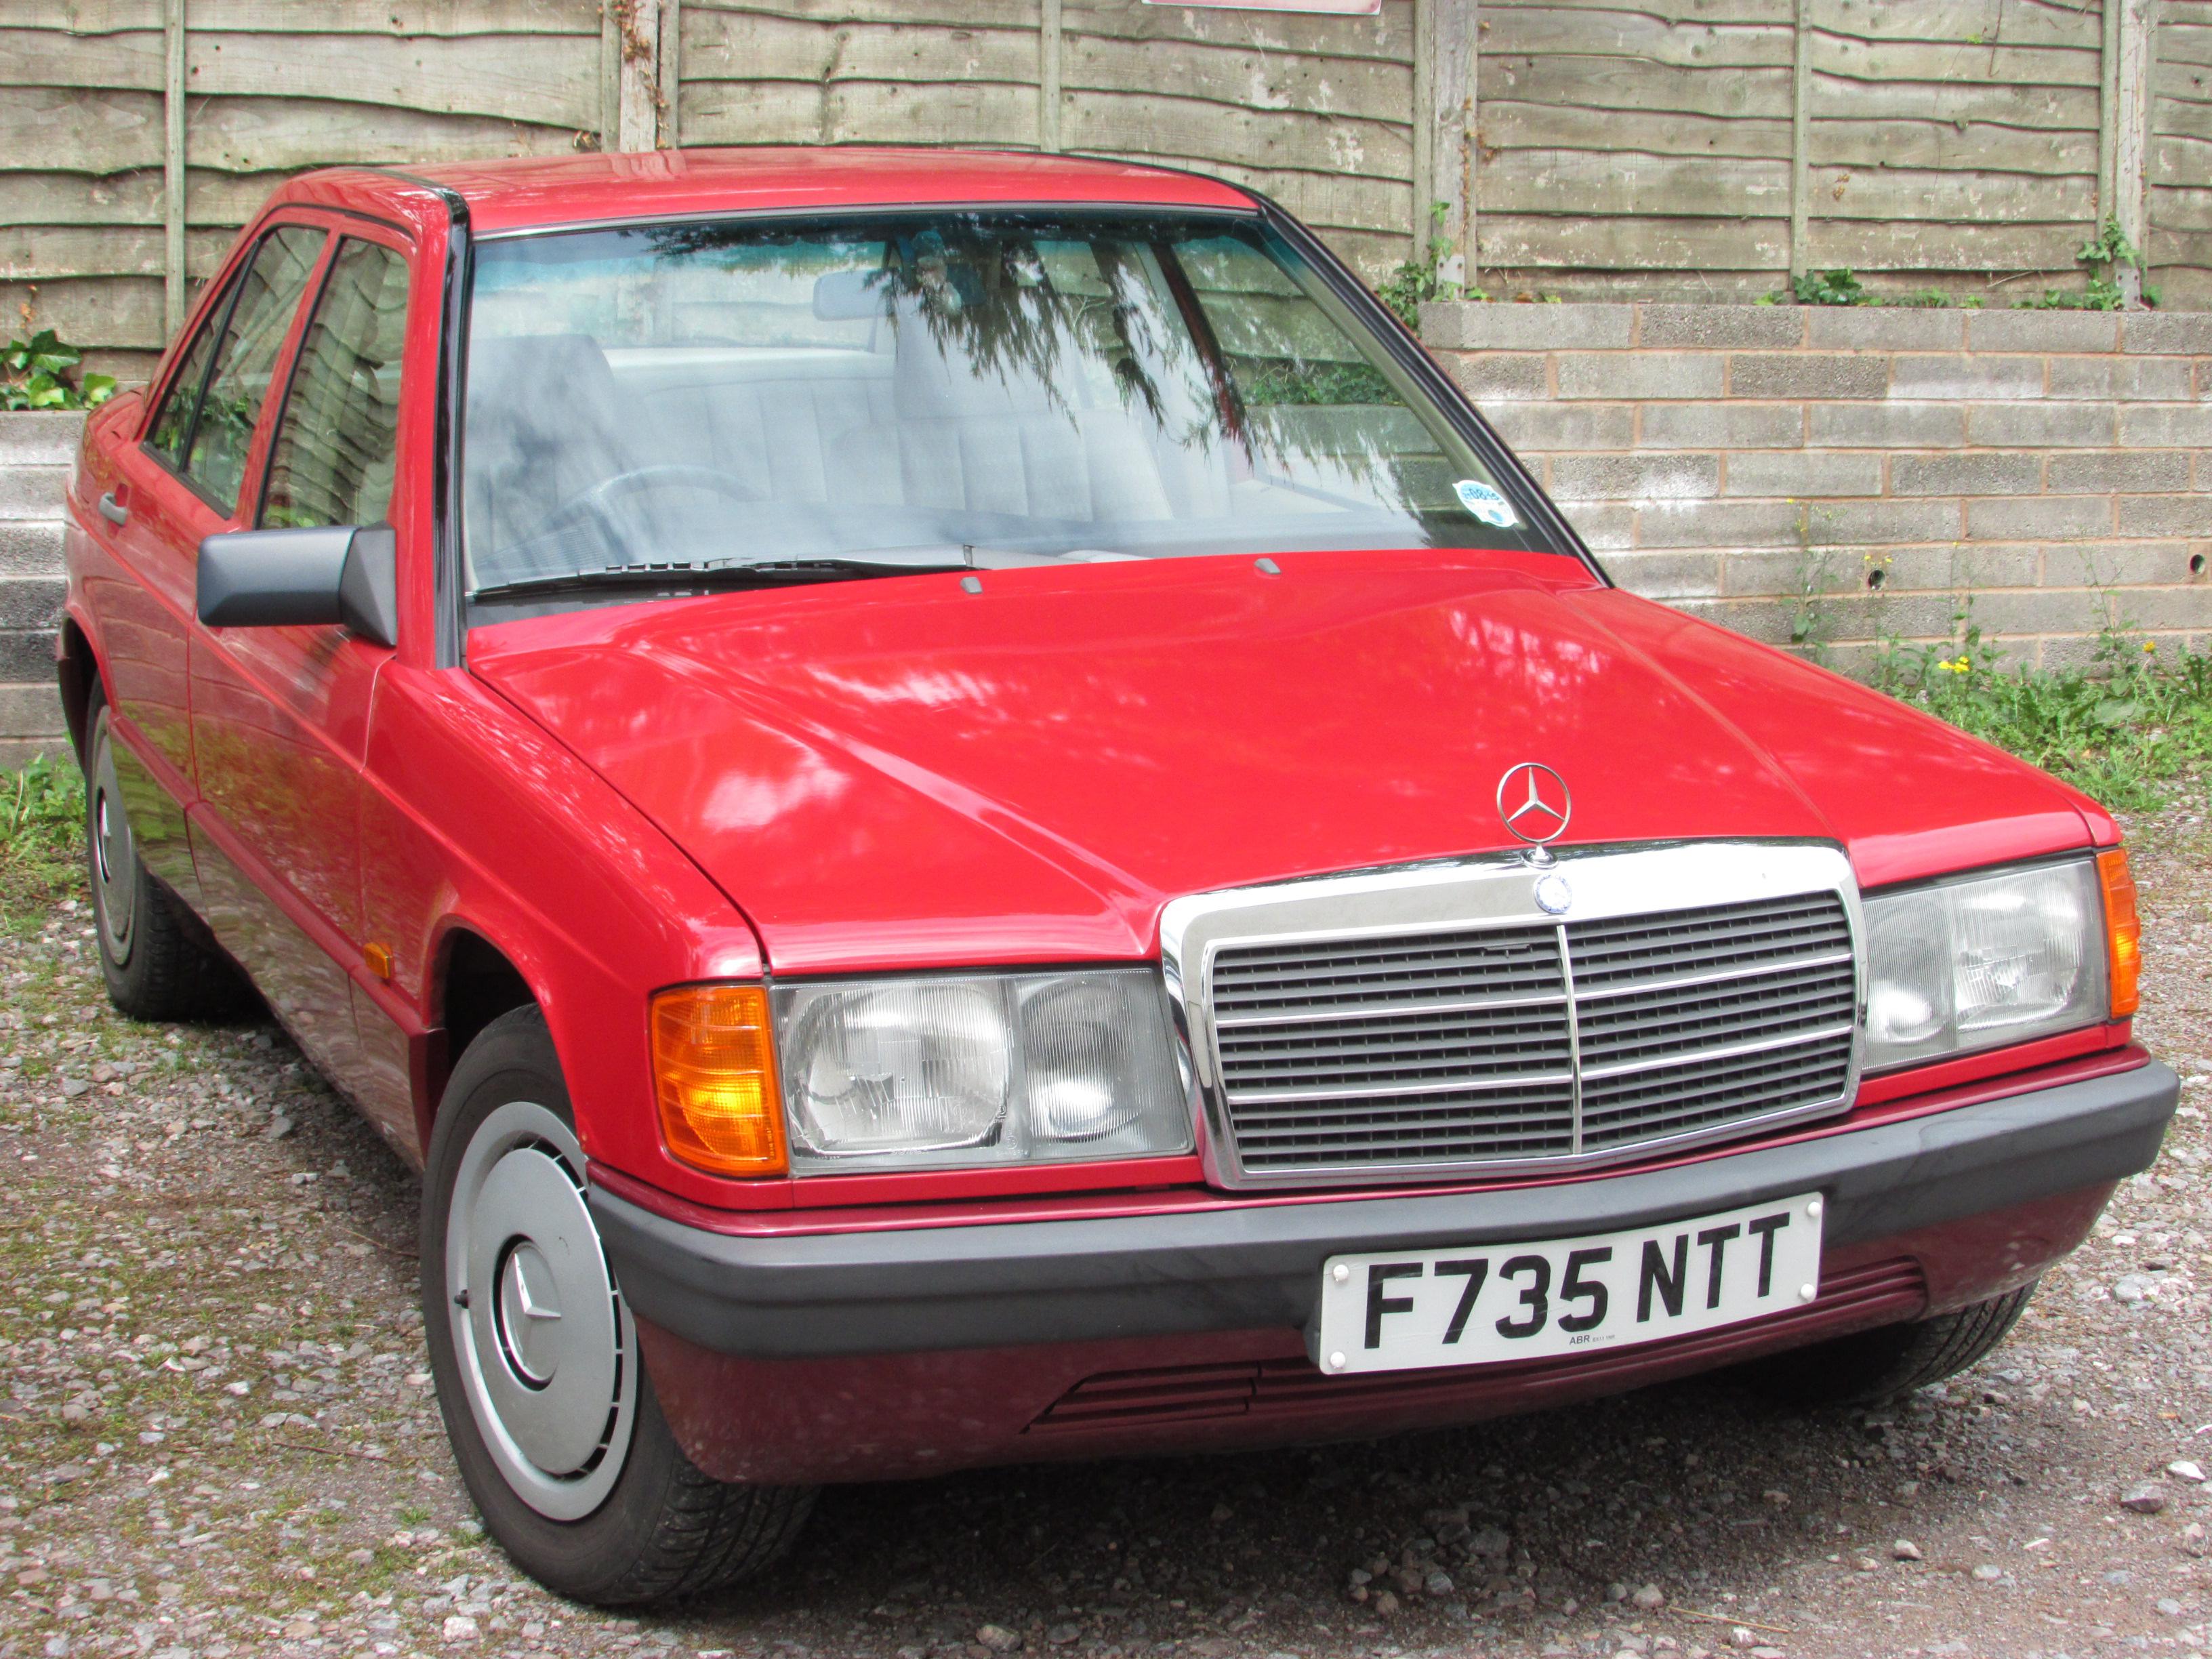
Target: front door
<point x="280" y="715"/>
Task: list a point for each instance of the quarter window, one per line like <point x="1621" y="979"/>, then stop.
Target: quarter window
<point x="260" y="317"/>
<point x="335" y="452"/>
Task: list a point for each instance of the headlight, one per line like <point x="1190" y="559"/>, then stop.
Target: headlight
<point x="954" y="1071"/>
<point x="1986" y="960"/>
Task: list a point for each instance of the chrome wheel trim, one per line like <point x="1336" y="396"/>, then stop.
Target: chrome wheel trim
<point x="114" y="856"/>
<point x="545" y="1348"/>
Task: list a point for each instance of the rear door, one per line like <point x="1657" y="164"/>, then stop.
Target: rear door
<point x="176" y="484"/>
<point x="280" y="715"/>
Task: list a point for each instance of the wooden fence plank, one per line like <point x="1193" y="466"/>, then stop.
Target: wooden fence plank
<point x="38" y="253"/>
<point x="258" y="135"/>
<point x="1967" y="23"/>
<point x="93" y="131"/>
<point x="1979" y="147"/>
<point x="2033" y="107"/>
<point x="128" y="60"/>
<point x="1589" y="182"/>
<point x="1374" y="89"/>
<point x="1676" y="11"/>
<point x="861" y="112"/>
<point x="1597" y="86"/>
<point x="550" y="81"/>
<point x="1508" y="125"/>
<point x="725" y="47"/>
<point x="110" y="312"/>
<point x="913" y="14"/>
<point x="1388" y="34"/>
<point x="1533" y="30"/>
<point x="1137" y="123"/>
<point x="1516" y="241"/>
<point x="441" y="17"/>
<point x="2000" y="67"/>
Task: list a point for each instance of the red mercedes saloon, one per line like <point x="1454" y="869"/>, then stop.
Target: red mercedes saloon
<point x="965" y="814"/>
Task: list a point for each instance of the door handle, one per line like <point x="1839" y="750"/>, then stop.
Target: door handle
<point x="112" y="510"/>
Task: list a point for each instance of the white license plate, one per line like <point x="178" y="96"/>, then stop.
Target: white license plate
<point x="1404" y="1310"/>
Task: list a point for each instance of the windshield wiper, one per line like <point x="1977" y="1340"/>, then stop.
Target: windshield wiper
<point x="720" y="573"/>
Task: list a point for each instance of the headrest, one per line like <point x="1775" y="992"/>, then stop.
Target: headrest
<point x="520" y="370"/>
<point x="967" y="365"/>
<point x="844" y="295"/>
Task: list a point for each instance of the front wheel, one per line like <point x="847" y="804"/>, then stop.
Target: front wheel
<point x="551" y="1416"/>
<point x="1871" y="1368"/>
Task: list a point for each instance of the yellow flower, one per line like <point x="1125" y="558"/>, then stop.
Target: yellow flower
<point x="2150" y="647"/>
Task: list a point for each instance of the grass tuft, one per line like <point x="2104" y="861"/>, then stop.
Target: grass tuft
<point x="41" y="841"/>
<point x="2129" y="727"/>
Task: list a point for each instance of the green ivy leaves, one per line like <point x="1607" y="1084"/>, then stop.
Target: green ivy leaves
<point x="35" y="374"/>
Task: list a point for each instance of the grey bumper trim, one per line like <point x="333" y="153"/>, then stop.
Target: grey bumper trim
<point x="1258" y="1266"/>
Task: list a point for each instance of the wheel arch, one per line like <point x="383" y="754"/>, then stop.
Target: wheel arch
<point x="77" y="671"/>
<point x="472" y="981"/>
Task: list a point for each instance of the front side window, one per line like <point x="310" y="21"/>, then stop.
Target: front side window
<point x="984" y="388"/>
<point x="260" y="317"/>
<point x="335" y="449"/>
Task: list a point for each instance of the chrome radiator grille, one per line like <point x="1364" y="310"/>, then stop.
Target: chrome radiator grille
<point x="1532" y="1042"/>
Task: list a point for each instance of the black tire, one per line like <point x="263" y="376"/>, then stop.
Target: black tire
<point x="157" y="958"/>
<point x="1871" y="1368"/>
<point x="664" y="1529"/>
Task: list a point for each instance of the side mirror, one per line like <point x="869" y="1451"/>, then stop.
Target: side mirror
<point x="330" y="574"/>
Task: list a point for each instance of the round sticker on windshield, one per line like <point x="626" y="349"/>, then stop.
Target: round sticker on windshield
<point x="1485" y="502"/>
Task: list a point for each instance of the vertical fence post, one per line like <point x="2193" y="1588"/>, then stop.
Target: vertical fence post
<point x="1443" y="137"/>
<point x="671" y="74"/>
<point x="637" y="73"/>
<point x="2123" y="130"/>
<point x="172" y="166"/>
<point x="1801" y="142"/>
<point x="1048" y="43"/>
<point x="2131" y="138"/>
<point x="1425" y="121"/>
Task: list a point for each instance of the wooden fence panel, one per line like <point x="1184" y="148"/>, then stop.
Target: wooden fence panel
<point x="1689" y="148"/>
<point x="1628" y="146"/>
<point x="271" y="88"/>
<point x="2181" y="162"/>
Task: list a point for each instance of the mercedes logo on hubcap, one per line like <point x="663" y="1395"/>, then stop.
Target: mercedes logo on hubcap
<point x="1534" y="801"/>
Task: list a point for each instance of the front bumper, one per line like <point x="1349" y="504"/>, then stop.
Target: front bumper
<point x="1255" y="1266"/>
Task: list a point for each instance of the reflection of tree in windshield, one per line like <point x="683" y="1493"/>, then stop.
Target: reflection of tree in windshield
<point x="994" y="302"/>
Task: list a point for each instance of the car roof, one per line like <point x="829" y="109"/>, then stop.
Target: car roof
<point x="539" y="191"/>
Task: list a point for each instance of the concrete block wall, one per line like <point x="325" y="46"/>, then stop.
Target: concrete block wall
<point x="1865" y="470"/>
<point x="35" y="453"/>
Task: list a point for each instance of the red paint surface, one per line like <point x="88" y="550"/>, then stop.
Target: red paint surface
<point x="899" y="1415"/>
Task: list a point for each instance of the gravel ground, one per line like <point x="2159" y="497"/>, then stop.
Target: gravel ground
<point x="216" y="1434"/>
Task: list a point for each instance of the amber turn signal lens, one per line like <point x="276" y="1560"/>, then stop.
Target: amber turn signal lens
<point x="2123" y="931"/>
<point x="713" y="1072"/>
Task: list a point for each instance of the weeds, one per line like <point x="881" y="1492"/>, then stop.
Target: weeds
<point x="41" y="840"/>
<point x="2126" y="728"/>
<point x="1421" y="278"/>
<point x="2106" y="252"/>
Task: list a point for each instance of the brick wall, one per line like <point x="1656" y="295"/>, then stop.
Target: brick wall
<point x="1730" y="459"/>
<point x="35" y="453"/>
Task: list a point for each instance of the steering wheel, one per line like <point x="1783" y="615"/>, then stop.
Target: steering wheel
<point x="597" y="502"/>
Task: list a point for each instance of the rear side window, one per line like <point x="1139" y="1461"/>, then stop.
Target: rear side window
<point x="335" y="452"/>
<point x="260" y="317"/>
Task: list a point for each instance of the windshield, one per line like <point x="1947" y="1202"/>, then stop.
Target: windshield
<point x="920" y="389"/>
